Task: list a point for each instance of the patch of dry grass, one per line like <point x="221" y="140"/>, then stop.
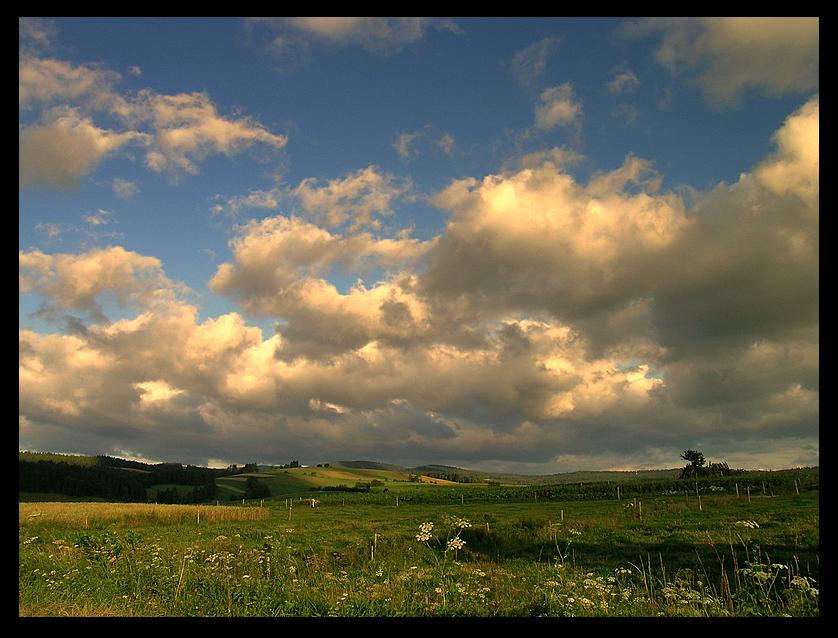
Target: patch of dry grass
<point x="84" y="515"/>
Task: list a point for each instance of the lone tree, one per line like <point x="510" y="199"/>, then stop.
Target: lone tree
<point x="253" y="488"/>
<point x="696" y="460"/>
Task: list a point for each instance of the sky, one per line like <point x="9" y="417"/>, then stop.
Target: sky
<point x="518" y="245"/>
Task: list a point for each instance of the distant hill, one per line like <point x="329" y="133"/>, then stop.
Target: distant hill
<point x="113" y="478"/>
<point x="369" y="465"/>
<point x="458" y="474"/>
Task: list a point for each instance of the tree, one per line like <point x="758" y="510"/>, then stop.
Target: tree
<point x="254" y="489"/>
<point x="696" y="463"/>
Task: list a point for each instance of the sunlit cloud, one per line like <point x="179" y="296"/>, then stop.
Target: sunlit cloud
<point x="732" y="55"/>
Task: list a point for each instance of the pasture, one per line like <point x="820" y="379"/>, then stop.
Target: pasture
<point x="449" y="554"/>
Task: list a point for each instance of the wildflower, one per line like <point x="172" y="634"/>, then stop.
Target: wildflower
<point x="424" y="534"/>
<point x="456" y="543"/>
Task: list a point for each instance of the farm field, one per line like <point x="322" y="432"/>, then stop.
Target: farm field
<point x="360" y="554"/>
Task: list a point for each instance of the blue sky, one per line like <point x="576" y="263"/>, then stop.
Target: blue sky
<point x="581" y="178"/>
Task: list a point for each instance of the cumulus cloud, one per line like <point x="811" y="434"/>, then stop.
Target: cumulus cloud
<point x="73" y="282"/>
<point x="359" y="198"/>
<point x="558" y="106"/>
<point x="279" y="267"/>
<point x="553" y="324"/>
<point x="731" y="55"/>
<point x="176" y="131"/>
<point x="47" y="80"/>
<point x="187" y="127"/>
<point x="373" y="34"/>
<point x="65" y="147"/>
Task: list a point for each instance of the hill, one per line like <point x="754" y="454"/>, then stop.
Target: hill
<point x="112" y="478"/>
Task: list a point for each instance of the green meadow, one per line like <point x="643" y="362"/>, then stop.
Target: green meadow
<point x="430" y="549"/>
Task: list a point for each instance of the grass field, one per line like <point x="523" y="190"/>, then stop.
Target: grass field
<point x="660" y="556"/>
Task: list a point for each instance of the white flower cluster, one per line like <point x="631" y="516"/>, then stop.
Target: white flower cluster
<point x="456" y="543"/>
<point x="424" y="534"/>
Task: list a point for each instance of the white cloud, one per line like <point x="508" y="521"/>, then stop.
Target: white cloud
<point x="375" y="34"/>
<point x="358" y="198"/>
<point x="528" y="65"/>
<point x="124" y="188"/>
<point x="411" y="144"/>
<point x="46" y="80"/>
<point x="177" y="131"/>
<point x="35" y="34"/>
<point x="268" y="199"/>
<point x="623" y="82"/>
<point x="65" y="147"/>
<point x="558" y="106"/>
<point x="552" y="322"/>
<point x="731" y="55"/>
<point x="99" y="218"/>
<point x="73" y="282"/>
<point x="187" y="127"/>
<point x="446" y="143"/>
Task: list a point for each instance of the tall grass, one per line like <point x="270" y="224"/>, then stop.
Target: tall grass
<point x="731" y="559"/>
<point x="82" y="515"/>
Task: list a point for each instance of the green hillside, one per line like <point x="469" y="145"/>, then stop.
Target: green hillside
<point x="72" y="459"/>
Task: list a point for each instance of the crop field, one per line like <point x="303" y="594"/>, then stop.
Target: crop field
<point x="453" y="552"/>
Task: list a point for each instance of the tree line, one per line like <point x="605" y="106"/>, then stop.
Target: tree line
<point x="120" y="480"/>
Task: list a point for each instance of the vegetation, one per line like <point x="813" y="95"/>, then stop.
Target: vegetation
<point x="439" y="551"/>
